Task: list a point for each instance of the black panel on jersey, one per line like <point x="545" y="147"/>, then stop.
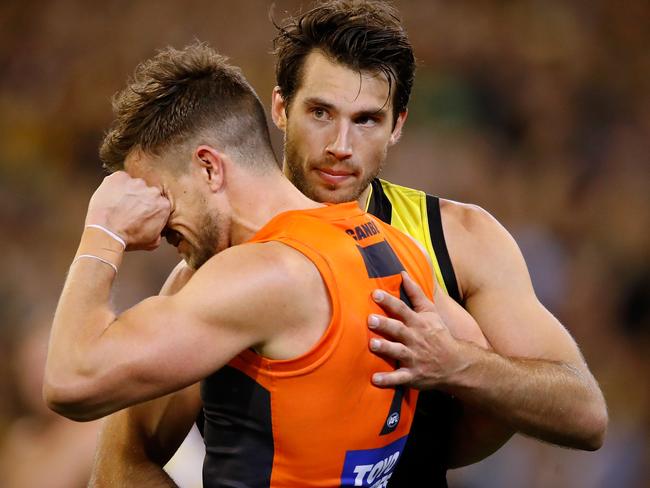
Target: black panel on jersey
<point x="380" y="259"/>
<point x="440" y="247"/>
<point x="426" y="454"/>
<point x="396" y="406"/>
<point x="238" y="433"/>
<point x="425" y="458"/>
<point x="379" y="204"/>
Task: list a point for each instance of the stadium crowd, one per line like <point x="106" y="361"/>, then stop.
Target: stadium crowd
<point x="537" y="111"/>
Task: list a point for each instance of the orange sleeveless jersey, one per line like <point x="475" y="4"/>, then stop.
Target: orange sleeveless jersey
<point x="317" y="420"/>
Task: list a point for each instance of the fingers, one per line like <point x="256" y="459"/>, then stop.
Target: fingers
<point x="401" y="376"/>
<point x="385" y="326"/>
<point x="392" y="350"/>
<point x="393" y="307"/>
<point x="419" y="300"/>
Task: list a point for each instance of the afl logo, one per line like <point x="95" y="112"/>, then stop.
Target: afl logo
<point x="393" y="420"/>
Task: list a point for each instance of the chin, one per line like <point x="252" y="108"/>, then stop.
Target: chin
<point x="338" y="195"/>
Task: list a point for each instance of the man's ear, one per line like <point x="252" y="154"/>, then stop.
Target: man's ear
<point x="397" y="130"/>
<point x="278" y="109"/>
<point x="211" y="165"/>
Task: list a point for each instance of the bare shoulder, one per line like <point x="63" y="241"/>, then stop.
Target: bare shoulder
<point x="480" y="247"/>
<point x="259" y="264"/>
<point x="469" y="220"/>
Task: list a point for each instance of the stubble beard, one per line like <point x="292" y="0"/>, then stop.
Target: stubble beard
<point x="297" y="174"/>
<point x="208" y="243"/>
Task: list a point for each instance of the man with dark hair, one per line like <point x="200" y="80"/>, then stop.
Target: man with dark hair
<point x="330" y="155"/>
<point x="335" y="63"/>
<point x="274" y="291"/>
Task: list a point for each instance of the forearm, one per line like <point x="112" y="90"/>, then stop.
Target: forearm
<point x="82" y="315"/>
<point x="112" y="471"/>
<point x="475" y="435"/>
<point x="135" y="443"/>
<point x="552" y="401"/>
<point x="122" y="459"/>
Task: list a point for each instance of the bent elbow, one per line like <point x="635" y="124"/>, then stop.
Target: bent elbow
<point x="68" y="400"/>
<point x="598" y="430"/>
<point x="594" y="426"/>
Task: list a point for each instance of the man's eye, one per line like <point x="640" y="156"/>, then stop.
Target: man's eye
<point x="366" y="121"/>
<point x="319" y="113"/>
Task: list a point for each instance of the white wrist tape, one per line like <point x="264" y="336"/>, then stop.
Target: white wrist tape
<point x="92" y="256"/>
<point x="110" y="233"/>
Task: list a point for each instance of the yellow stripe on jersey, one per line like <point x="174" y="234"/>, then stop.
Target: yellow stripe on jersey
<point x="409" y="214"/>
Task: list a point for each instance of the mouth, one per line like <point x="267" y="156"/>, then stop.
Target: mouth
<point x="334" y="177"/>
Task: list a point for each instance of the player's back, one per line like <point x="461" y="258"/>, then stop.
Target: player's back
<point x="316" y="420"/>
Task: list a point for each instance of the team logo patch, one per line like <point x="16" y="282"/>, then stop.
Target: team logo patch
<point x="393" y="420"/>
<point x="372" y="468"/>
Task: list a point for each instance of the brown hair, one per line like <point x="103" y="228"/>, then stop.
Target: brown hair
<point x="180" y="94"/>
<point x="364" y="35"/>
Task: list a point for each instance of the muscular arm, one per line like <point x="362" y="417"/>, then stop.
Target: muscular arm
<point x="474" y="434"/>
<point x="99" y="363"/>
<point x="534" y="379"/>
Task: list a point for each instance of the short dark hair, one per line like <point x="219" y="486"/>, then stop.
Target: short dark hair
<point x="179" y="94"/>
<point x="364" y="35"/>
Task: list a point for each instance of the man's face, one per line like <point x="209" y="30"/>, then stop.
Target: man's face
<point x="337" y="130"/>
<point x="193" y="226"/>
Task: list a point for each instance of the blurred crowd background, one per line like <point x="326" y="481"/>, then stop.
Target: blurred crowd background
<point x="538" y="111"/>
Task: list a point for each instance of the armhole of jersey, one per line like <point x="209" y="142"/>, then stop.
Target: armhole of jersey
<point x="440" y="247"/>
<point x="324" y="347"/>
<point x="378" y="203"/>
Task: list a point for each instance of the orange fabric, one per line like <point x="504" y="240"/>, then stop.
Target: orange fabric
<point x="324" y="408"/>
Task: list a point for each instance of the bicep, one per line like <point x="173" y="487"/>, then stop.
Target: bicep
<point x="460" y="323"/>
<point x="164" y="344"/>
<point x="511" y="316"/>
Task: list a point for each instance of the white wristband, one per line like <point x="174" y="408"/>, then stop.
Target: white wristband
<point x="110" y="233"/>
<point x="92" y="256"/>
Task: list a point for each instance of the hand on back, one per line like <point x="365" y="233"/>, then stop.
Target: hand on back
<point x="424" y="339"/>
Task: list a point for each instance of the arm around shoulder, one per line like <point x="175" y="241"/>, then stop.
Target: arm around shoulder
<point x="536" y="379"/>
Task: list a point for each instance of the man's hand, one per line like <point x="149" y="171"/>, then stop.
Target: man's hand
<point x="131" y="209"/>
<point x="428" y="350"/>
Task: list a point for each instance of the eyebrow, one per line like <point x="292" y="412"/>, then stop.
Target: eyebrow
<point x="320" y="102"/>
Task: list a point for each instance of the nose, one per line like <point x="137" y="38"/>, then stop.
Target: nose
<point x="340" y="147"/>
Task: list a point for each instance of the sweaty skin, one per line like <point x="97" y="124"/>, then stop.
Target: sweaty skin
<point x="333" y="148"/>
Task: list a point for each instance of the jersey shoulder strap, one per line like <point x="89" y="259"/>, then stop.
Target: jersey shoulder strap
<point x="417" y="214"/>
<point x="437" y="236"/>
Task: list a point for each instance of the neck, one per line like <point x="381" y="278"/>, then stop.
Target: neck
<point x="256" y="199"/>
<point x="363" y="198"/>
